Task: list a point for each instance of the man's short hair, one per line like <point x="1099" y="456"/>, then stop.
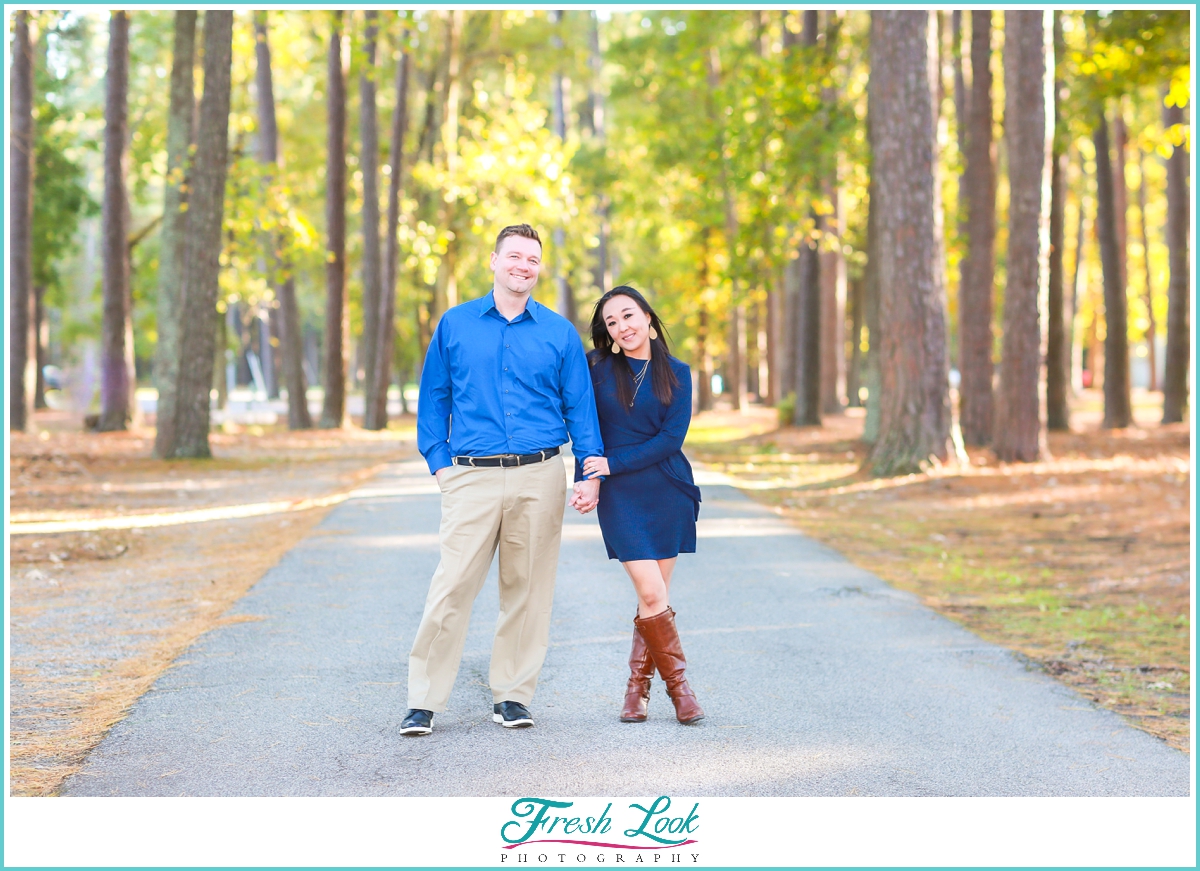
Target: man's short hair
<point x="523" y="230"/>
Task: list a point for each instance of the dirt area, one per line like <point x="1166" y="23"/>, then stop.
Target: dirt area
<point x="1080" y="562"/>
<point x="96" y="616"/>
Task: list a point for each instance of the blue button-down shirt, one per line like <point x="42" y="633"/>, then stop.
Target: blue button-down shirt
<point x="491" y="386"/>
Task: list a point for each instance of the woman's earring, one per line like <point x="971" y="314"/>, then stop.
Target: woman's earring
<point x="616" y="349"/>
<point x="653" y="334"/>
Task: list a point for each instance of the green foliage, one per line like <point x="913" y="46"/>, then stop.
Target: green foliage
<point x="719" y="145"/>
<point x="62" y="198"/>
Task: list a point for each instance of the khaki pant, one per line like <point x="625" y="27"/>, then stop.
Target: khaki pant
<point x="519" y="511"/>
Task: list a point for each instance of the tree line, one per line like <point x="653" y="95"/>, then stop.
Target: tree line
<point x="826" y="206"/>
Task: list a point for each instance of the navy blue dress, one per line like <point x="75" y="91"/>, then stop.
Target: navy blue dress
<point x="649" y="502"/>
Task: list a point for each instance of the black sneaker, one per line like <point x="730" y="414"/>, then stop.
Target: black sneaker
<point x="511" y="715"/>
<point x="417" y="722"/>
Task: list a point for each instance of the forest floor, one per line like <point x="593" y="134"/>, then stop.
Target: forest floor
<point x="1080" y="562"/>
<point x="95" y="615"/>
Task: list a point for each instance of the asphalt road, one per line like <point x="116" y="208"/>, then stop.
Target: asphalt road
<point x="818" y="680"/>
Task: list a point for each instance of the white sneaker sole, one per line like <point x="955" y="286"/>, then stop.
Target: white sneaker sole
<point x="511" y="724"/>
<point x="416" y="730"/>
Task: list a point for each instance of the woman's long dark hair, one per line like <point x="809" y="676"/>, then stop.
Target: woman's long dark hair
<point x="662" y="376"/>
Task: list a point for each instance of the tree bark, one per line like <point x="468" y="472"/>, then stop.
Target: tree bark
<point x="1058" y="349"/>
<point x="704" y="396"/>
<point x="1151" y="327"/>
<point x="291" y="342"/>
<point x="1074" y="352"/>
<point x="333" y="411"/>
<point x="871" y="374"/>
<point x="977" y="270"/>
<point x="1175" y="386"/>
<point x="202" y="264"/>
<point x="21" y="354"/>
<point x="41" y="339"/>
<point x="377" y="413"/>
<point x="1029" y="132"/>
<point x="833" y="313"/>
<point x="174" y="226"/>
<point x="1117" y="404"/>
<point x="808" y="353"/>
<point x="854" y="364"/>
<point x="602" y="275"/>
<point x="562" y="281"/>
<point x="116" y="388"/>
<point x="1120" y="144"/>
<point x="372" y="262"/>
<point x="915" y="408"/>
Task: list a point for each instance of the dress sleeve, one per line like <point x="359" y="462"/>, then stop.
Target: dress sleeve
<point x="665" y="442"/>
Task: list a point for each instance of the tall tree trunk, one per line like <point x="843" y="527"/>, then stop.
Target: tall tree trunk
<point x="1074" y="353"/>
<point x="1117" y="405"/>
<point x="774" y="334"/>
<point x="172" y="245"/>
<point x="333" y="411"/>
<point x="1175" y="386"/>
<point x="977" y="269"/>
<point x="808" y="354"/>
<point x="22" y="342"/>
<point x="960" y="101"/>
<point x="704" y="396"/>
<point x="1120" y="146"/>
<point x="116" y="388"/>
<point x="372" y="263"/>
<point x="378" y="414"/>
<point x="1058" y="349"/>
<point x="562" y="281"/>
<point x="833" y="313"/>
<point x="871" y="373"/>
<point x="854" y="364"/>
<point x="1151" y="327"/>
<point x="602" y="275"/>
<point x="753" y="357"/>
<point x="833" y="263"/>
<point x="291" y="341"/>
<point x="41" y="339"/>
<point x="1029" y="132"/>
<point x="206" y="207"/>
<point x="915" y="408"/>
<point x="735" y="356"/>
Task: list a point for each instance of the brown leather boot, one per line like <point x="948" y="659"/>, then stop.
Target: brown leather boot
<point x="663" y="640"/>
<point x="641" y="671"/>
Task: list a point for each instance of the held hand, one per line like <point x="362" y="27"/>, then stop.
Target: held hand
<point x="586" y="496"/>
<point x="595" y="467"/>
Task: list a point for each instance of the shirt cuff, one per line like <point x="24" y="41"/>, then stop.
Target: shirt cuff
<point x="438" y="458"/>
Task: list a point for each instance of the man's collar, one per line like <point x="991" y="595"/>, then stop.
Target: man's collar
<point x="487" y="303"/>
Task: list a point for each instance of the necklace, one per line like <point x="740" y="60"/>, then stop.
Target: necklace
<point x="637" y="381"/>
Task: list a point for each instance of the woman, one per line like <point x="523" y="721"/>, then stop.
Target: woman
<point x="649" y="502"/>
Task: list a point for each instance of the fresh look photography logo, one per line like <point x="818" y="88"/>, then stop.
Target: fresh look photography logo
<point x="646" y="834"/>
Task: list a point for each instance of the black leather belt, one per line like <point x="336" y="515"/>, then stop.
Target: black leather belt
<point x="507" y="461"/>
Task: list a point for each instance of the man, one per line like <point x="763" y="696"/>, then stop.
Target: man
<point x="505" y="381"/>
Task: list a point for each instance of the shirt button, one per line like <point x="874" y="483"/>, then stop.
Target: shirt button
<point x="506" y="346"/>
<point x="506" y="391"/>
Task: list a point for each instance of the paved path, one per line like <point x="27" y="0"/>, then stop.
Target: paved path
<point x="818" y="680"/>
